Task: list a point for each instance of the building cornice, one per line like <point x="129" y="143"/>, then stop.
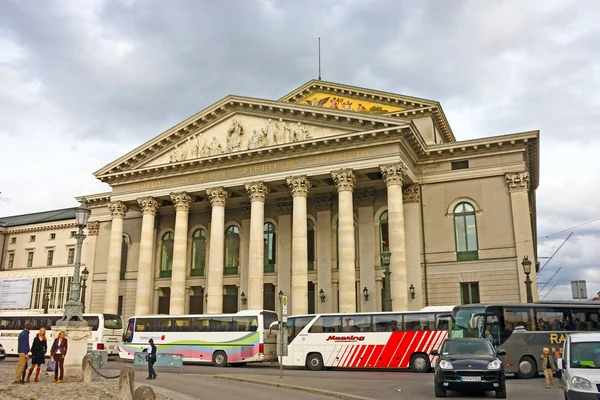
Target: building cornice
<point x="42" y="228"/>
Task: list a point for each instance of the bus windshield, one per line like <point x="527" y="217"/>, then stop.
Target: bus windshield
<point x="112" y="321"/>
<point x="466" y="323"/>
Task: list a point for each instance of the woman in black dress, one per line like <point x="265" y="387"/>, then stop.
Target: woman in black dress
<point x="38" y="352"/>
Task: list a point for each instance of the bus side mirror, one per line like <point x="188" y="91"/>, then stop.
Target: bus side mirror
<point x="273" y="326"/>
<point x="500" y="352"/>
<point x="434" y="353"/>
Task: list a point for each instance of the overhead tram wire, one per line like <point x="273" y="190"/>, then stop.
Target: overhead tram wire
<point x="559" y="247"/>
<point x="572" y="228"/>
<point x="549" y="291"/>
<point x="549" y="280"/>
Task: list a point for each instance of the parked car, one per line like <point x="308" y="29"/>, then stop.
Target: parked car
<point x="469" y="365"/>
<point x="580" y="366"/>
<point x="2" y="353"/>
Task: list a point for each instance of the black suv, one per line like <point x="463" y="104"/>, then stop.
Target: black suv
<point x="469" y="365"/>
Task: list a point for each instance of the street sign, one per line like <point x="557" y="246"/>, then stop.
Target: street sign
<point x="579" y="290"/>
<point x="284" y="308"/>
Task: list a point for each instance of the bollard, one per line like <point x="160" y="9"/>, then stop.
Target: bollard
<point x="86" y="366"/>
<point x="144" y="393"/>
<point x="126" y="381"/>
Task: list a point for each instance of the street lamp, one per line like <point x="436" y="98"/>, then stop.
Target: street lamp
<point x="243" y="298"/>
<point x="46" y="299"/>
<point x="387" y="293"/>
<point x="84" y="277"/>
<point x="411" y="290"/>
<point x="526" y="263"/>
<point x="73" y="307"/>
<point x="366" y="293"/>
<point x="322" y="296"/>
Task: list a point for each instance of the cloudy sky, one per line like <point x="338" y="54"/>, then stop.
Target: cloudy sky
<point x="84" y="82"/>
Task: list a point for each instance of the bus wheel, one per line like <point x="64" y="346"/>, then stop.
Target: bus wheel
<point x="420" y="363"/>
<point x="527" y="368"/>
<point x="220" y="359"/>
<point x="314" y="362"/>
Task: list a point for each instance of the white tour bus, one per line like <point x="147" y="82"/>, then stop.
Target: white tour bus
<point x="107" y="329"/>
<point x="366" y="340"/>
<point x="219" y="339"/>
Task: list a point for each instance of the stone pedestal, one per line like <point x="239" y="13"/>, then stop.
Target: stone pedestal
<point x="77" y="335"/>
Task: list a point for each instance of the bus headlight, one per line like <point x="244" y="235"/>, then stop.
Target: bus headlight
<point x="580" y="383"/>
<point x="446" y="364"/>
<point x="496" y="364"/>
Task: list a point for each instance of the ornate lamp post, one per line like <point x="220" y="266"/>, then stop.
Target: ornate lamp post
<point x="73" y="307"/>
<point x="387" y="293"/>
<point x="46" y="299"/>
<point x="84" y="277"/>
<point x="526" y="263"/>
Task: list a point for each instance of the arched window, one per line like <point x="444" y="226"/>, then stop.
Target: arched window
<point x="384" y="234"/>
<point x="166" y="255"/>
<point x="465" y="230"/>
<point x="337" y="242"/>
<point x="124" y="254"/>
<point x="270" y="247"/>
<point x="198" y="253"/>
<point x="232" y="250"/>
<point x="310" y="237"/>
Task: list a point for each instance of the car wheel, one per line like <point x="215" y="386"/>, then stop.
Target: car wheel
<point x="314" y="362"/>
<point x="420" y="363"/>
<point x="527" y="368"/>
<point x="439" y="392"/>
<point x="220" y="359"/>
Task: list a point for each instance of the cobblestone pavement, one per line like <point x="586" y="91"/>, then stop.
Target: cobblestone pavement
<point x="70" y="389"/>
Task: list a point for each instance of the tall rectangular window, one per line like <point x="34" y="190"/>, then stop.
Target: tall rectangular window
<point x="469" y="292"/>
<point x="50" y="257"/>
<point x="11" y="259"/>
<point x="29" y="258"/>
<point x="71" y="256"/>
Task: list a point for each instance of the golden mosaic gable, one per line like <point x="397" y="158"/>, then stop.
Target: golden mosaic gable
<point x="337" y="102"/>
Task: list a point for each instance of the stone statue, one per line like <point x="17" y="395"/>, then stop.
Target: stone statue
<point x="234" y="136"/>
<point x="177" y="154"/>
<point x="283" y="132"/>
<point x="256" y="140"/>
<point x="193" y="148"/>
<point x="270" y="132"/>
<point x="300" y="133"/>
<point x="215" y="148"/>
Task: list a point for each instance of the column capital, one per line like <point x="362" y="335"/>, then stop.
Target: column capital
<point x="218" y="196"/>
<point x="324" y="202"/>
<point x="285" y="206"/>
<point x="182" y="201"/>
<point x="393" y="174"/>
<point x="148" y="205"/>
<point x="344" y="179"/>
<point x="518" y="181"/>
<point x="93" y="228"/>
<point x="298" y="185"/>
<point x="411" y="194"/>
<point x="257" y="191"/>
<point x="117" y="209"/>
<point x="365" y="197"/>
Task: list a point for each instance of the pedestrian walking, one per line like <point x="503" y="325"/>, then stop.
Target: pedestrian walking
<point x="151" y="360"/>
<point x="38" y="354"/>
<point x="58" y="352"/>
<point x="558" y="359"/>
<point x="549" y="367"/>
<point x="23" y="350"/>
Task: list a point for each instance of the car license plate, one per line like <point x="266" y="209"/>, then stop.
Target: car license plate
<point x="470" y="379"/>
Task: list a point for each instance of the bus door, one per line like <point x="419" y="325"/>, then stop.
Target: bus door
<point x="488" y="327"/>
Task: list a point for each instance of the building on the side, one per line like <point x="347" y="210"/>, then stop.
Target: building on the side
<point x="39" y="246"/>
<point x="302" y="195"/>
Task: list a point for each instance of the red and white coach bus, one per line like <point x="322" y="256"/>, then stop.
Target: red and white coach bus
<point x="395" y="340"/>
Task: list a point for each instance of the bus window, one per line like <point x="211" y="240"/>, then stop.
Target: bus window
<point x="327" y="325"/>
<point x="143" y="325"/>
<point x="296" y="325"/>
<point x="585" y="320"/>
<point x="200" y="324"/>
<point x="387" y="322"/>
<point x="242" y="324"/>
<point x="163" y="325"/>
<point x="93" y="322"/>
<point x="112" y="321"/>
<point x="356" y="323"/>
<point x="268" y="318"/>
<point x="181" y="324"/>
<point x="222" y="324"/>
<point x="128" y="334"/>
<point x="552" y="319"/>
<point x="419" y="322"/>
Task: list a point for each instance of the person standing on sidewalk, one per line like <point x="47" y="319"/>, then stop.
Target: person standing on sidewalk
<point x="38" y="354"/>
<point x="58" y="352"/>
<point x="23" y="350"/>
<point x="549" y="367"/>
<point x="151" y="360"/>
<point x="557" y="358"/>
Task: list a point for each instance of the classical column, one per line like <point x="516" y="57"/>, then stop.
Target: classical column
<point x="324" y="252"/>
<point x="345" y="180"/>
<point x="518" y="187"/>
<point x="366" y="248"/>
<point x="93" y="229"/>
<point x="244" y="251"/>
<point x="284" y="249"/>
<point x="299" y="186"/>
<point x="182" y="202"/>
<point x="145" y="278"/>
<point x="393" y="175"/>
<point x="111" y="294"/>
<point x="257" y="192"/>
<point x="412" y="225"/>
<point x="218" y="197"/>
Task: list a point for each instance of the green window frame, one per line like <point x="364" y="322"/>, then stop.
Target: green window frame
<point x="384" y="235"/>
<point x="232" y="250"/>
<point x="469" y="293"/>
<point x="310" y="237"/>
<point x="270" y="250"/>
<point x="465" y="232"/>
<point x="71" y="256"/>
<point x="29" y="258"/>
<point x="124" y="256"/>
<point x="166" y="254"/>
<point x="11" y="259"/>
<point x="198" y="264"/>
<point x="50" y="258"/>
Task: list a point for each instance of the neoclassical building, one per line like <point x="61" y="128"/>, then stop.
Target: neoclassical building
<point x="302" y="195"/>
